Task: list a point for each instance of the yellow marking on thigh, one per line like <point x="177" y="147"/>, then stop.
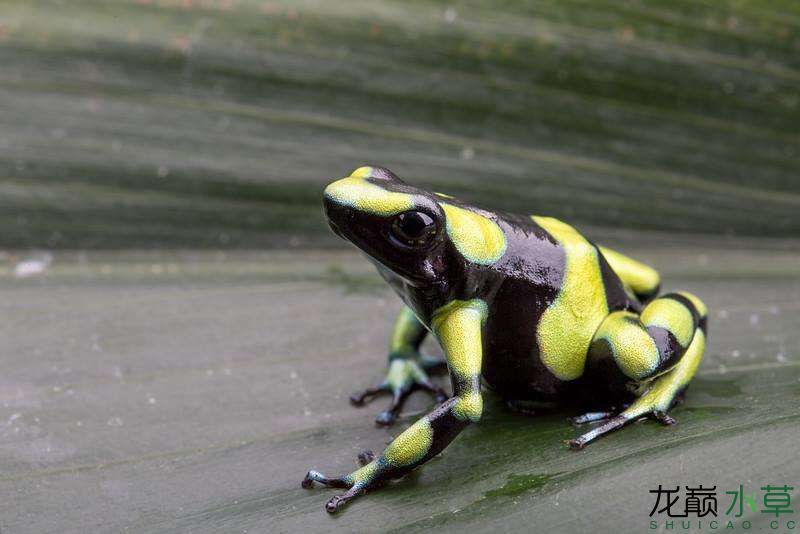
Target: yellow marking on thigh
<point x="640" y="277"/>
<point x="567" y="326"/>
<point x="635" y="352"/>
<point x="366" y="196"/>
<point x="670" y="315"/>
<point x="477" y="238"/>
<point x="410" y="446"/>
<point x="698" y="304"/>
<point x="665" y="387"/>
<point x="458" y="328"/>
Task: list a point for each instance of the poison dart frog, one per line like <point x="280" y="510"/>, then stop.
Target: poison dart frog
<point x="523" y="305"/>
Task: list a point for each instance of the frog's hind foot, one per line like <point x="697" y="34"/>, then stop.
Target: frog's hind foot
<point x="676" y="327"/>
<point x="404" y="377"/>
<point x="590" y="417"/>
<point x="613" y="423"/>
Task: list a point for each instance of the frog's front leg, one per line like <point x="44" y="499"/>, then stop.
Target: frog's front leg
<point x="458" y="328"/>
<point x="660" y="350"/>
<point x="408" y="369"/>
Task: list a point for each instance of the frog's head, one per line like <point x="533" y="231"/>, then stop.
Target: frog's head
<point x="399" y="226"/>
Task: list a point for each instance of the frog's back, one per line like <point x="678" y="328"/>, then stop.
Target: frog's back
<point x="550" y="291"/>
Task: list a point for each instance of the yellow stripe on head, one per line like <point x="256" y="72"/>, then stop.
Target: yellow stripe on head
<point x="361" y="172"/>
<point x="355" y="191"/>
<point x="478" y="238"/>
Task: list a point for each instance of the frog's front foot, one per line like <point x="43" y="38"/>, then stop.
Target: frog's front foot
<point x="336" y="502"/>
<point x="404" y="376"/>
<point x="356" y="483"/>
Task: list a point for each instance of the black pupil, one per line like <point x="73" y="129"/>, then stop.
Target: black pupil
<point x="413" y="225"/>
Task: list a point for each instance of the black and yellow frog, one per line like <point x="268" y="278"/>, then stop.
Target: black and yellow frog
<point x="523" y="304"/>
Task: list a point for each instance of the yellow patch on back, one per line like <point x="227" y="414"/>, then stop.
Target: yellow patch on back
<point x="634" y="350"/>
<point x="361" y="172"/>
<point x="410" y="446"/>
<point x="670" y="315"/>
<point x="567" y="326"/>
<point x="477" y="238"/>
<point x="362" y="195"/>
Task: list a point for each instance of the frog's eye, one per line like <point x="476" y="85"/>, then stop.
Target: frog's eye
<point x="413" y="228"/>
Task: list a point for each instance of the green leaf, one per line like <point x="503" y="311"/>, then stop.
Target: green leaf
<point x="190" y="392"/>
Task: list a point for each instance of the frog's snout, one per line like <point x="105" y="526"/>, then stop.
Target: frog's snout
<point x="336" y="229"/>
<point x="336" y="214"/>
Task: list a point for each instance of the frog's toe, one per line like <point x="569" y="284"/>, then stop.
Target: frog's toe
<point x="590" y="417"/>
<point x="437" y="392"/>
<point x="365" y="457"/>
<point x="337" y="502"/>
<point x="618" y="421"/>
<point x="315" y="476"/>
<point x="401" y="394"/>
<point x="404" y="377"/>
<point x="432" y="365"/>
<point x="609" y="425"/>
<point x="362" y="397"/>
<point x="387" y="417"/>
<point x="664" y="418"/>
<point x="332" y="506"/>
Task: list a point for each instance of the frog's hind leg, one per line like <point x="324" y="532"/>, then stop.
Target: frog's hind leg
<point x="659" y="350"/>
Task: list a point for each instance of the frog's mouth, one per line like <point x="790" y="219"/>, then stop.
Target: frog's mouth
<point x="336" y="230"/>
<point x="335" y="212"/>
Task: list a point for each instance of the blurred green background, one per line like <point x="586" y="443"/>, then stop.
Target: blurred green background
<point x="216" y="123"/>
